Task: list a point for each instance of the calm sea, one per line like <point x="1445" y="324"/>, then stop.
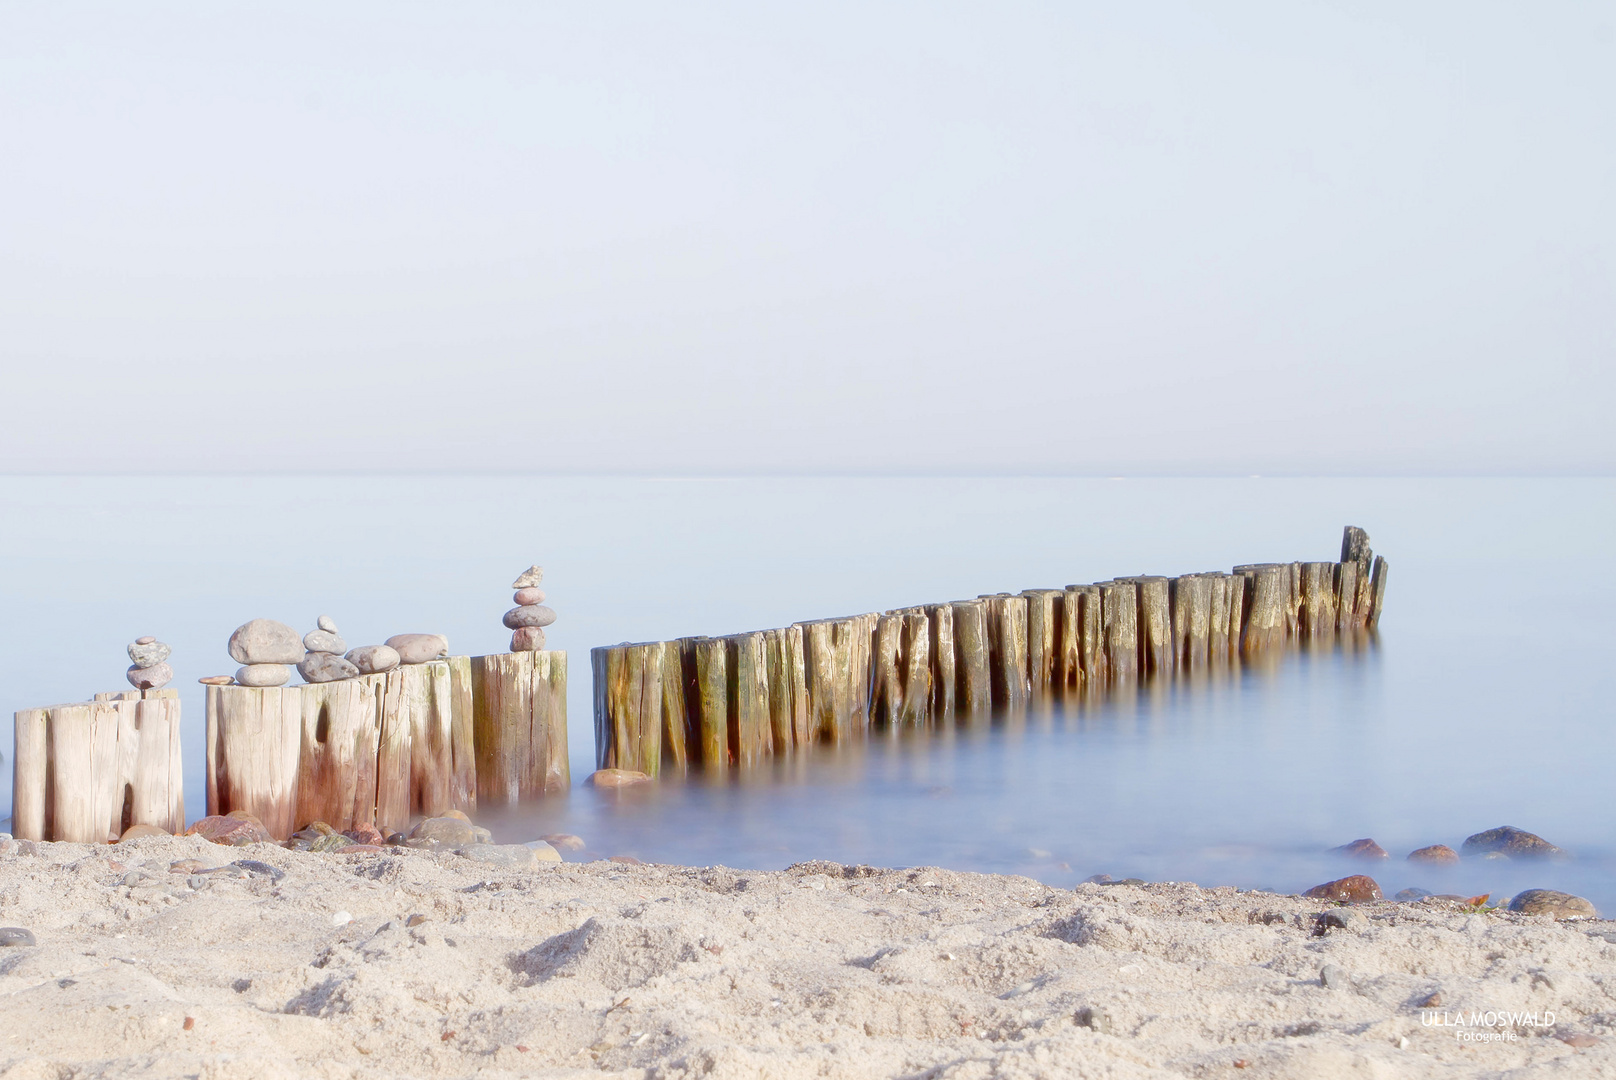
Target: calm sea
<point x="1486" y="701"/>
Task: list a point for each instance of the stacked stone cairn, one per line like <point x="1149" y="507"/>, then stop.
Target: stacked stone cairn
<point x="529" y="617"/>
<point x="264" y="648"/>
<point x="149" y="670"/>
<point x="324" y="661"/>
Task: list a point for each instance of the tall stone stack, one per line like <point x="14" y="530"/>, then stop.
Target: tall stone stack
<point x="149" y="668"/>
<point x="529" y="617"/>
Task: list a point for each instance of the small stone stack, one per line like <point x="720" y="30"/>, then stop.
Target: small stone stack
<point x="264" y="647"/>
<point x="529" y="618"/>
<point x="150" y="670"/>
<point x="325" y="662"/>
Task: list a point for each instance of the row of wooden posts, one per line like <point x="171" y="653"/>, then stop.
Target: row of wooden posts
<point x="382" y="750"/>
<point x="715" y="703"/>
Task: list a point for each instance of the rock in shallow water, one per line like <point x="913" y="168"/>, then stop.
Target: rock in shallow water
<point x="533" y="615"/>
<point x="1356" y="889"/>
<point x="1510" y="841"/>
<point x="322" y="667"/>
<point x="1413" y="892"/>
<point x="418" y="648"/>
<point x="528" y="639"/>
<point x="265" y="641"/>
<point x="373" y="659"/>
<point x="1361" y="849"/>
<point x="1560" y="905"/>
<point x="612" y="778"/>
<point x="323" y="641"/>
<point x="1435" y="855"/>
<point x="149" y="678"/>
<point x="564" y="841"/>
<point x="149" y="654"/>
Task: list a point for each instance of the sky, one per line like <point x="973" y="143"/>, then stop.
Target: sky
<point x="759" y="238"/>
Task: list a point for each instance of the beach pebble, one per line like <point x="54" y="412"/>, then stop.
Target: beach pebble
<point x="528" y="597"/>
<point x="509" y="855"/>
<point x="16" y="935"/>
<point x="418" y="648"/>
<point x="1355" y="889"/>
<point x="230" y="830"/>
<point x="150" y="678"/>
<point x="265" y="641"/>
<point x="341" y="918"/>
<point x="1412" y="893"/>
<point x="615" y="778"/>
<point x="1360" y="849"/>
<point x="1339" y="919"/>
<point x="149" y="654"/>
<point x="445" y="831"/>
<point x="323" y="667"/>
<point x="530" y="577"/>
<point x="365" y="834"/>
<point x="135" y="832"/>
<point x="326" y="623"/>
<point x="1558" y="905"/>
<point x="563" y="841"/>
<point x="324" y="641"/>
<point x="216" y="680"/>
<point x="1510" y="841"/>
<point x="535" y="615"/>
<point x="1435" y="855"/>
<point x="263" y="675"/>
<point x="373" y="659"/>
<point x="528" y="639"/>
<point x="1334" y="977"/>
<point x="147" y="640"/>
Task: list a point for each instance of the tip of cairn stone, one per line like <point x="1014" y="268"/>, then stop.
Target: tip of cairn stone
<point x="326" y="623"/>
<point x="530" y="577"/>
<point x="147" y="640"/>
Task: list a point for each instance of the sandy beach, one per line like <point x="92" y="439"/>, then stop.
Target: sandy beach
<point x="450" y="967"/>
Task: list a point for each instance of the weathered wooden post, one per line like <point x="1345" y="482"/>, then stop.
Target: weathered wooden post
<point x="886" y="680"/>
<point x="974" y="695"/>
<point x="1319" y="615"/>
<point x="1154" y="625"/>
<point x="1119" y="604"/>
<point x="915" y="653"/>
<point x="1044" y="627"/>
<point x="788" y="689"/>
<point x="944" y="666"/>
<point x="750" y="735"/>
<point x="254" y="745"/>
<point x="87" y="771"/>
<point x="519" y="726"/>
<point x="1007" y="649"/>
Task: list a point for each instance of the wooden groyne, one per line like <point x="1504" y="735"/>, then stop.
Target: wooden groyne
<point x="386" y="749"/>
<point x="86" y="772"/>
<point x="715" y="703"/>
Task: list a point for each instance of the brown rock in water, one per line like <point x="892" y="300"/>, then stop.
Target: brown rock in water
<point x="135" y="832"/>
<point x="1361" y="849"/>
<point x="528" y="639"/>
<point x="1435" y="855"/>
<point x="614" y="778"/>
<point x="1508" y="840"/>
<point x="365" y="834"/>
<point x="1558" y="905"/>
<point x="265" y="641"/>
<point x="231" y="830"/>
<point x="1356" y="889"/>
<point x="564" y="841"/>
<point x="418" y="648"/>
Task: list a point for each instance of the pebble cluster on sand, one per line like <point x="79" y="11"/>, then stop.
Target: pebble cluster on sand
<point x="149" y="669"/>
<point x="529" y="617"/>
<point x="265" y="648"/>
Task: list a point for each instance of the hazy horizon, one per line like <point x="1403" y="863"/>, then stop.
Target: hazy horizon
<point x="739" y="240"/>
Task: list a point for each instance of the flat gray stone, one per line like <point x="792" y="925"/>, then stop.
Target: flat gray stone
<point x="322" y="667"/>
<point x="529" y="615"/>
<point x="1558" y="905"/>
<point x="16" y="935"/>
<point x="373" y="659"/>
<point x="1333" y="977"/>
<point x="149" y="654"/>
<point x="263" y="675"/>
<point x="529" y="578"/>
<point x="419" y="648"/>
<point x="149" y="678"/>
<point x="324" y="641"/>
<point x="265" y="641"/>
